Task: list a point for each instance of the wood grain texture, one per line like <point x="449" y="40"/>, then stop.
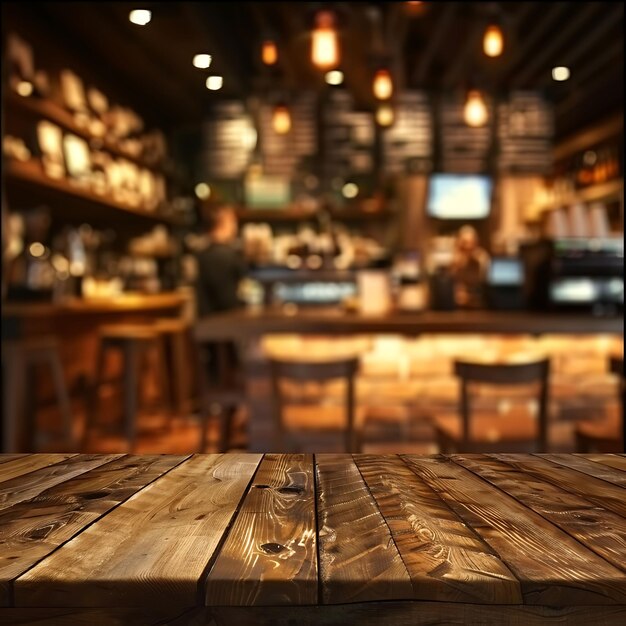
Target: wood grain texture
<point x="29" y="463"/>
<point x="589" y="467"/>
<point x="32" y="484"/>
<point x="32" y="529"/>
<point x="446" y="560"/>
<point x="553" y="568"/>
<point x="151" y="550"/>
<point x="4" y="458"/>
<point x="269" y="557"/>
<point x="415" y="614"/>
<point x="598" y="491"/>
<point x="611" y="460"/>
<point x="600" y="530"/>
<point x="359" y="560"/>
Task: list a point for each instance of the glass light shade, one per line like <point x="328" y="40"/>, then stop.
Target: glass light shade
<point x="384" y="115"/>
<point x="334" y="77"/>
<point x="281" y="119"/>
<point x="475" y="112"/>
<point x="141" y="17"/>
<point x="560" y="73"/>
<point x="202" y="61"/>
<point x="383" y="85"/>
<point x="269" y="52"/>
<point x="214" y="82"/>
<point x="493" y="41"/>
<point x="325" y="44"/>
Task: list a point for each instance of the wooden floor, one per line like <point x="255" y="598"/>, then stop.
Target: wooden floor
<point x="301" y="539"/>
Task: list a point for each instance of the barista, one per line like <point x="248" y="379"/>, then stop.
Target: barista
<point x="470" y="264"/>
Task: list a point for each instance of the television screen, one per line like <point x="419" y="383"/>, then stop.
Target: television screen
<point x="506" y="272"/>
<point x="459" y="196"/>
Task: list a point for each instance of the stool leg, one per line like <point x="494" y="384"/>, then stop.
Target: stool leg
<point x="12" y="400"/>
<point x="226" y="418"/>
<point x="131" y="388"/>
<point x="94" y="398"/>
<point x="163" y="375"/>
<point x="62" y="397"/>
<point x="179" y="370"/>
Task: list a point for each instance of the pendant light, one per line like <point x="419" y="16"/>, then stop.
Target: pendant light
<point x="493" y="41"/>
<point x="281" y="119"/>
<point x="325" y="43"/>
<point x="475" y="111"/>
<point x="384" y="115"/>
<point x="269" y="52"/>
<point x="382" y="85"/>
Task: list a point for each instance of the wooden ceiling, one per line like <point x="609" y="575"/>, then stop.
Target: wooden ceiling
<point x="436" y="47"/>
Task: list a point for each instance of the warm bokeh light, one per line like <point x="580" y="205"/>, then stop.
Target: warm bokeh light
<point x="214" y="82"/>
<point x="202" y="61"/>
<point x="24" y="88"/>
<point x="493" y="41"/>
<point x="560" y="73"/>
<point x="384" y="115"/>
<point x="141" y="17"/>
<point x="269" y="52"/>
<point x="350" y="190"/>
<point x="36" y="249"/>
<point x="325" y="44"/>
<point x="334" y="77"/>
<point x="203" y="191"/>
<point x="475" y="112"/>
<point x="281" y="119"/>
<point x="382" y="85"/>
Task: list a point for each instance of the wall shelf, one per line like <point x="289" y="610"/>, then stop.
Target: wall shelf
<point x="27" y="182"/>
<point x="610" y="190"/>
<point x="297" y="215"/>
<point x="53" y="112"/>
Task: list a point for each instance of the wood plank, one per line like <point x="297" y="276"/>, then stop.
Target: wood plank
<point x="416" y="614"/>
<point x="32" y="529"/>
<point x="269" y="557"/>
<point x="151" y="550"/>
<point x="600" y="530"/>
<point x="359" y="560"/>
<point x="29" y="463"/>
<point x="30" y="485"/>
<point x="144" y="616"/>
<point x="612" y="460"/>
<point x="585" y="466"/>
<point x="4" y="458"/>
<point x="553" y="568"/>
<point x="581" y="464"/>
<point x="446" y="560"/>
<point x="598" y="491"/>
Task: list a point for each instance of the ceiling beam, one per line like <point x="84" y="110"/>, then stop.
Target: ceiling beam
<point x="434" y="42"/>
<point x="542" y="58"/>
<point x="586" y="93"/>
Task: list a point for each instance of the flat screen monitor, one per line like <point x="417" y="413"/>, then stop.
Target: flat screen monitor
<point x="459" y="196"/>
<point x="506" y="272"/>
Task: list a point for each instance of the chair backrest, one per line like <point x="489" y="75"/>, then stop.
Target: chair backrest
<point x="318" y="371"/>
<point x="506" y="374"/>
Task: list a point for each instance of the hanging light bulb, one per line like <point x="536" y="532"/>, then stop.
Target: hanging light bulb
<point x="493" y="41"/>
<point x="281" y="119"/>
<point x="384" y="115"/>
<point x="325" y="45"/>
<point x="475" y="111"/>
<point x="269" y="52"/>
<point x="382" y="85"/>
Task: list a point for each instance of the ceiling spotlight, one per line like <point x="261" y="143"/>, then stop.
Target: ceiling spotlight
<point x="334" y="77"/>
<point x="560" y="73"/>
<point x="202" y="61"/>
<point x="493" y="41"/>
<point x="214" y="82"/>
<point x="475" y="111"/>
<point x="140" y="16"/>
<point x="203" y="191"/>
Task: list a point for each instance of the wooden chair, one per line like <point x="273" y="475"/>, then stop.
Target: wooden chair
<point x="134" y="341"/>
<point x="318" y="371"/>
<point x="497" y="433"/>
<point x="606" y="435"/>
<point x="19" y="358"/>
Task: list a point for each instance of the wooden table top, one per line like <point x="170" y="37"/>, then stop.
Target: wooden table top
<point x="325" y="539"/>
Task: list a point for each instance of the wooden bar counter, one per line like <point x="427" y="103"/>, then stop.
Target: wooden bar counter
<point x="302" y="539"/>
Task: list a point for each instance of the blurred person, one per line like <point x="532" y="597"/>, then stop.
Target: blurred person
<point x="470" y="263"/>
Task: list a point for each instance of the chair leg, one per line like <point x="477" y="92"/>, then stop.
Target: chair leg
<point x="163" y="375"/>
<point x="91" y="414"/>
<point x="131" y="388"/>
<point x="226" y="417"/>
<point x="62" y="397"/>
<point x="178" y="376"/>
<point x="12" y="401"/>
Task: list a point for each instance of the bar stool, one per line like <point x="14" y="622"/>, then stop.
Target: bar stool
<point x="174" y="333"/>
<point x="607" y="435"/>
<point x="497" y="433"/>
<point x="19" y="357"/>
<point x="315" y="418"/>
<point x="133" y="341"/>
